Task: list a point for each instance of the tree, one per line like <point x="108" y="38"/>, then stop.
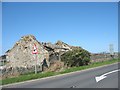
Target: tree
<point x="76" y="57"/>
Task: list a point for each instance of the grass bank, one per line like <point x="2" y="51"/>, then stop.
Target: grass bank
<point x="47" y="74"/>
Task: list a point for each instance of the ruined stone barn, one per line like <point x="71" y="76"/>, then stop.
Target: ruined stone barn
<point x="56" y="50"/>
<point x="21" y="53"/>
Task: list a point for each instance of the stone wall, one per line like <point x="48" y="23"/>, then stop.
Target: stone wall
<point x="16" y="71"/>
<point x="102" y="57"/>
<point x="21" y="54"/>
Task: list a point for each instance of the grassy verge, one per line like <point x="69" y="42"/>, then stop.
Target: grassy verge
<point x="47" y="74"/>
<point x="92" y="65"/>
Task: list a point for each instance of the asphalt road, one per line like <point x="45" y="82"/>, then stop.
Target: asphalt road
<point x="80" y="79"/>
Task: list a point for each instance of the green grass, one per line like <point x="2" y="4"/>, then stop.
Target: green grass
<point x="47" y="74"/>
<point x="92" y="65"/>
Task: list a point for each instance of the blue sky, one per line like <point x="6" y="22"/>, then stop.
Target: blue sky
<point x="92" y="26"/>
<point x="0" y="28"/>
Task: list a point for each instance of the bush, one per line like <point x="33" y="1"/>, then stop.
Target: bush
<point x="76" y="57"/>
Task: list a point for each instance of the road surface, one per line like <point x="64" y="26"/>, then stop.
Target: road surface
<point x="79" y="79"/>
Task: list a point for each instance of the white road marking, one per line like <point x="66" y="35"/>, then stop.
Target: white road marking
<point x="99" y="78"/>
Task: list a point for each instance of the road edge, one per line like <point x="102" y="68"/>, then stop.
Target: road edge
<point x="28" y="81"/>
